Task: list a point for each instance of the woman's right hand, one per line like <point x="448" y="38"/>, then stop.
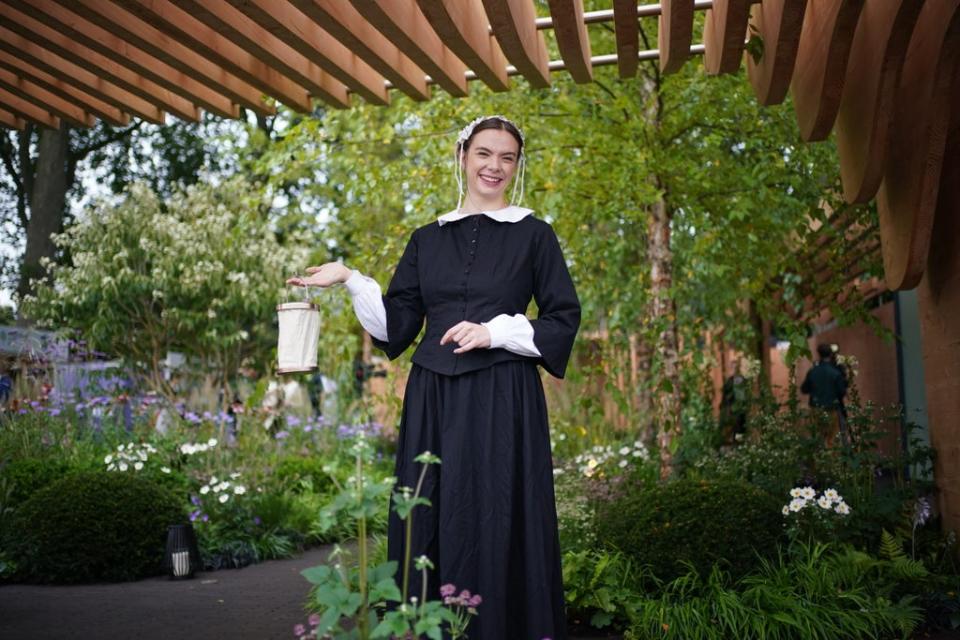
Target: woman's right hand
<point x="323" y="276"/>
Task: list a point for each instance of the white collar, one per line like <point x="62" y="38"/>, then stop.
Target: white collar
<point x="507" y="214"/>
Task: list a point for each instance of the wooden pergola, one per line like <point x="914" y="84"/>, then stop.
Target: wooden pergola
<point x="882" y="74"/>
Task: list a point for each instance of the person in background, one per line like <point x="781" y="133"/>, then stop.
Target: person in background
<point x="826" y="385"/>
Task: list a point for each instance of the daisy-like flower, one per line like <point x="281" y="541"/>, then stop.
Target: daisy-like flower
<point x="624" y="451"/>
<point x="786" y="510"/>
<point x="808" y="493"/>
<point x="138" y="466"/>
<point x="623" y="463"/>
<point x="212" y="442"/>
<point x="796" y="492"/>
<point x="205" y="489"/>
<point x="797" y="504"/>
<point x="224" y="497"/>
<point x="165" y="469"/>
<point x="108" y="459"/>
<point x="124" y="466"/>
<point x="239" y="490"/>
<point x="824" y="502"/>
<point x="842" y="508"/>
<point x="832" y="495"/>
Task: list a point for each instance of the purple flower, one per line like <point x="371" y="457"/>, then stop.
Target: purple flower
<point x="257" y="521"/>
<point x="282" y="434"/>
<point x="196" y="514"/>
<point x="464" y="595"/>
<point x="314" y="619"/>
<point x="299" y="630"/>
<point x="191" y="417"/>
<point x="195" y="501"/>
<point x="448" y="590"/>
<point x="475" y="601"/>
<point x="307" y="428"/>
<point x="205" y="518"/>
<point x="54" y="412"/>
<point x="293" y="421"/>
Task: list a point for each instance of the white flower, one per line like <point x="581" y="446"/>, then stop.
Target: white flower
<point x="796" y="492"/>
<point x="108" y="459"/>
<point x="239" y="490"/>
<point x="824" y="502"/>
<point x="204" y="490"/>
<point x="220" y="487"/>
<point x="234" y="476"/>
<point x="214" y="480"/>
<point x="797" y="504"/>
<point x="138" y="466"/>
<point x="111" y="467"/>
<point x="786" y="510"/>
<point x="638" y="453"/>
<point x="165" y="469"/>
<point x="212" y="442"/>
<point x="223" y="498"/>
<point x="187" y="449"/>
<point x="592" y="463"/>
<point x="123" y="466"/>
<point x="842" y="508"/>
<point x="808" y="493"/>
<point x="623" y="463"/>
<point x="624" y="451"/>
<point x="832" y="495"/>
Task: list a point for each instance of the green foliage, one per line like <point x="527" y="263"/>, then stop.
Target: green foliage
<point x="599" y="587"/>
<point x="812" y="595"/>
<point x="94" y="526"/>
<point x="27" y="476"/>
<point x="299" y="473"/>
<point x="695" y="524"/>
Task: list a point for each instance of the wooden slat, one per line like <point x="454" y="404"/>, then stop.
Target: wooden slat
<point x="627" y="32"/>
<point x="866" y="106"/>
<point x="514" y="25"/>
<point x="462" y="26"/>
<point x="408" y="29"/>
<point x="197" y="36"/>
<point x="106" y="112"/>
<point x="226" y="20"/>
<point x="43" y="99"/>
<point x="61" y="68"/>
<point x="675" y="33"/>
<point x="59" y="44"/>
<point x="907" y="199"/>
<point x="123" y="53"/>
<point x="572" y="40"/>
<point x="778" y="24"/>
<point x="724" y="32"/>
<point x="12" y="121"/>
<point x="146" y="37"/>
<point x="350" y="28"/>
<point x="27" y="110"/>
<point x="288" y="24"/>
<point x="818" y="75"/>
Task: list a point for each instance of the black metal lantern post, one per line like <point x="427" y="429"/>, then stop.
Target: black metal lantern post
<point x="182" y="557"/>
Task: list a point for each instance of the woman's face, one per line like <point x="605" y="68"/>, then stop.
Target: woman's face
<point x="490" y="163"/>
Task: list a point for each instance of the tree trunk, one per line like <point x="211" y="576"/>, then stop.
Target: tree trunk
<point x="664" y="318"/>
<point x="47" y="196"/>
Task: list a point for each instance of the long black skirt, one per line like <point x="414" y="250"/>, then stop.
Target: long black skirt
<point x="492" y="525"/>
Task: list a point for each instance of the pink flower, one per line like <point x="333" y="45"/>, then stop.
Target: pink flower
<point x="475" y="601"/>
<point x="299" y="630"/>
<point x="447" y="590"/>
<point x="465" y="595"/>
<point x="314" y="619"/>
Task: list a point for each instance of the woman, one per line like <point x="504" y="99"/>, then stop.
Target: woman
<point x="474" y="396"/>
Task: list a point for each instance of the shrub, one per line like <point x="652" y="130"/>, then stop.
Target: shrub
<point x="94" y="526"/>
<point x="686" y="523"/>
<point x="25" y="477"/>
<point x="294" y="472"/>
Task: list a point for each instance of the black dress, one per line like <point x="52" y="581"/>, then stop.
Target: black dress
<point x="492" y="526"/>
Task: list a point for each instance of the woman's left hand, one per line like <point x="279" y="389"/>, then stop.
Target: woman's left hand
<point x="468" y="335"/>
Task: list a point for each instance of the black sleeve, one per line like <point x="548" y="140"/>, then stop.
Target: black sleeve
<point x="403" y="304"/>
<point x="559" y="309"/>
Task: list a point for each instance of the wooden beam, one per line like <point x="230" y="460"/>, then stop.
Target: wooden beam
<point x="572" y="39"/>
<point x="907" y="199"/>
<point x="67" y="48"/>
<point x="39" y="96"/>
<point x="145" y="36"/>
<point x="289" y="25"/>
<point x="408" y="29"/>
<point x="12" y="121"/>
<point x="343" y="21"/>
<point x="514" y="25"/>
<point x="462" y="26"/>
<point x="27" y="110"/>
<point x="192" y="33"/>
<point x="106" y="112"/>
<point x="819" y="73"/>
<point x="724" y="32"/>
<point x="123" y="53"/>
<point x="778" y="24"/>
<point x="866" y="106"/>
<point x="226" y="20"/>
<point x="675" y="31"/>
<point x="92" y="83"/>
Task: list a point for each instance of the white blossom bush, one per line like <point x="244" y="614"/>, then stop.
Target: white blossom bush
<point x="191" y="448"/>
<point x="129" y="456"/>
<point x="810" y="517"/>
<point x="199" y="273"/>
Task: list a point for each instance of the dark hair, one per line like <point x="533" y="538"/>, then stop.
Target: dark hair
<point x="495" y="123"/>
<point x="824" y="350"/>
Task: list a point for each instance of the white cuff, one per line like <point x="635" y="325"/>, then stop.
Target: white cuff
<point x="513" y="333"/>
<point x="368" y="304"/>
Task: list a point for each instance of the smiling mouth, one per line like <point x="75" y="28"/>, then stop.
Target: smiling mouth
<point x="490" y="180"/>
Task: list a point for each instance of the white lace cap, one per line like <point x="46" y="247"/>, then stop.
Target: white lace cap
<point x="467" y="131"/>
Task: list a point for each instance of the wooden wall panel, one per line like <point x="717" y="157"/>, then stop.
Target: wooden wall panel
<point x="778" y="23"/>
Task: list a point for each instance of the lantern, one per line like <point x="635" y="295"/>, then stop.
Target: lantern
<point x="182" y="557"/>
<point x="299" y="337"/>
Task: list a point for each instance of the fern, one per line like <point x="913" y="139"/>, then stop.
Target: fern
<point x="891" y="547"/>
